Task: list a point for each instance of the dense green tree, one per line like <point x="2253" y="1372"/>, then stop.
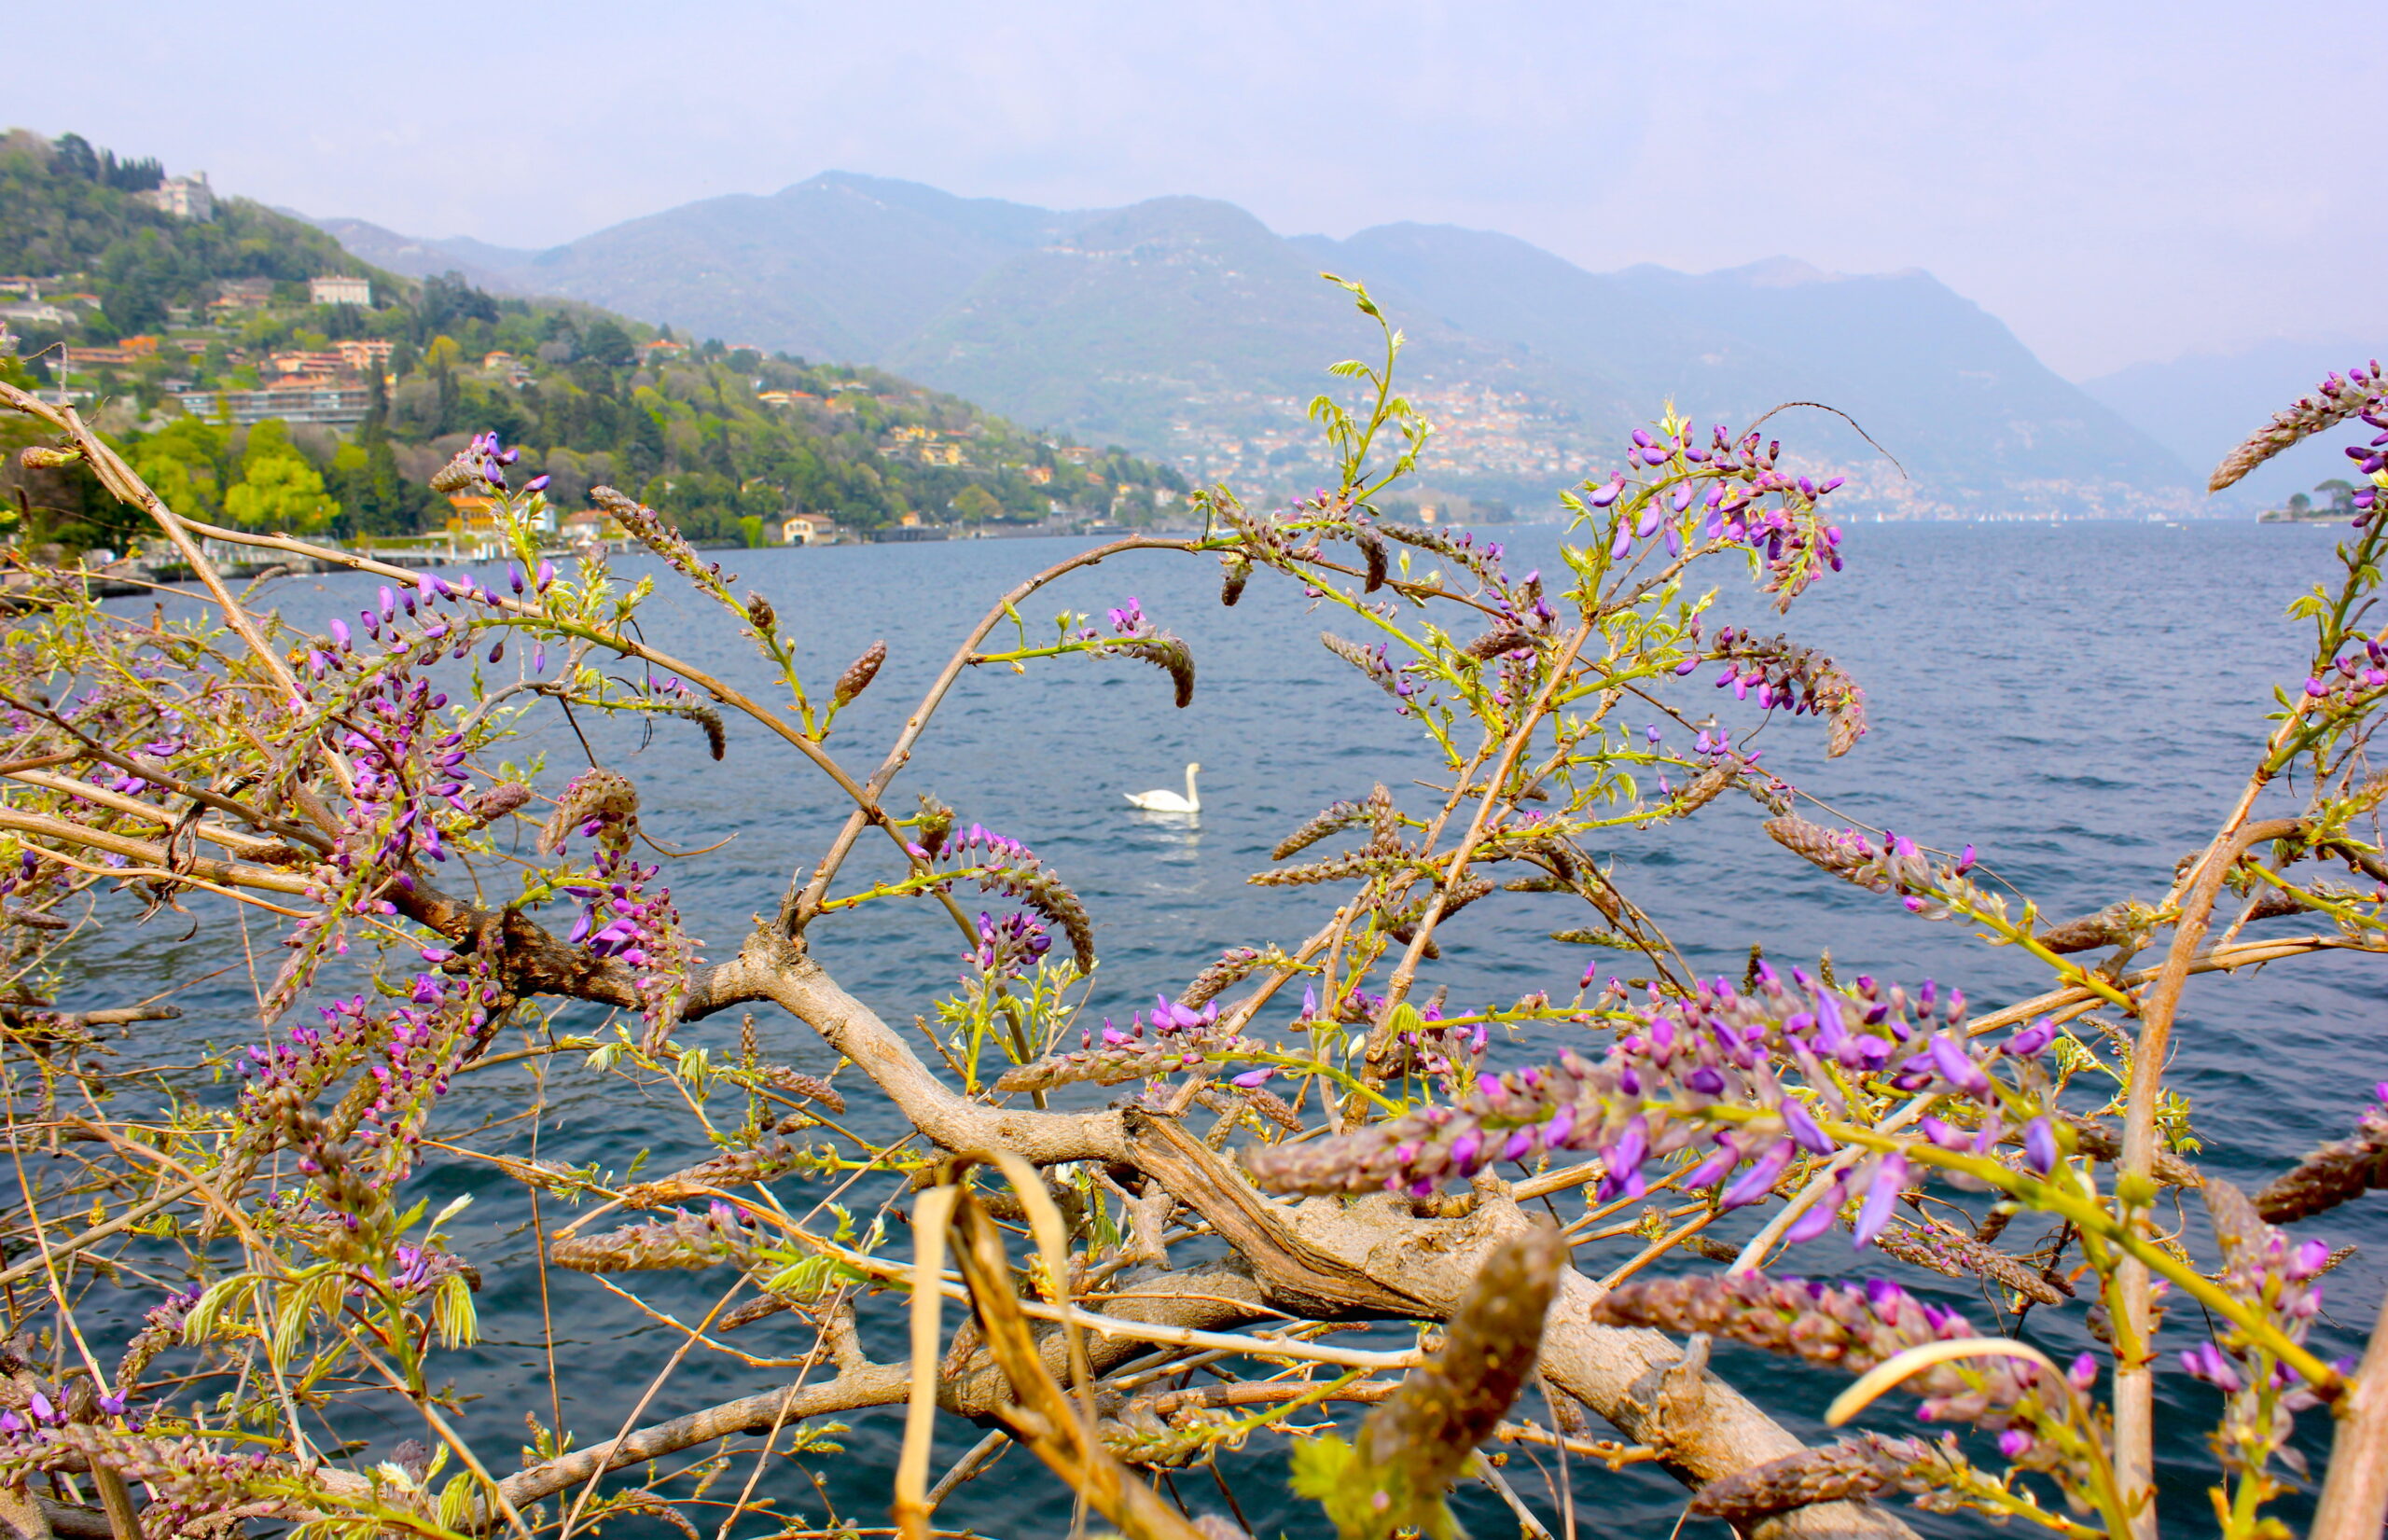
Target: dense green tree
<point x="278" y="488"/>
<point x="605" y="343"/>
<point x="184" y="464"/>
<point x="976" y="504"/>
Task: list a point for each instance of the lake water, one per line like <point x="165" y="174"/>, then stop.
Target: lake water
<point x="2079" y="702"/>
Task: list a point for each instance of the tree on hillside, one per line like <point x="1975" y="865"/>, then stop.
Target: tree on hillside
<point x="976" y="504"/>
<point x="278" y="488"/>
<point x="184" y="461"/>
<point x="607" y="343"/>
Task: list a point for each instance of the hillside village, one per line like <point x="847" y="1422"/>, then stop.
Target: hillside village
<point x="349" y="387"/>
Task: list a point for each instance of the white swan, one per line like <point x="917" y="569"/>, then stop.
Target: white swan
<point x="1169" y="802"/>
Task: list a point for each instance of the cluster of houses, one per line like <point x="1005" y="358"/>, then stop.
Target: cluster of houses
<point x="332" y="386"/>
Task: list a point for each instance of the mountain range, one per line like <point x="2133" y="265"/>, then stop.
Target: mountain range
<point x="2205" y="404"/>
<point x="1185" y="328"/>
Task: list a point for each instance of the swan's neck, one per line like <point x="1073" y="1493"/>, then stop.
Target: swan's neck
<point x="1191" y="800"/>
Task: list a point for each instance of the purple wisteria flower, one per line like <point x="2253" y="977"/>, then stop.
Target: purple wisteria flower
<point x="1856" y="1329"/>
<point x="1651" y="1096"/>
<point x="1181" y="1038"/>
<point x="1008" y="947"/>
<point x="2359" y="393"/>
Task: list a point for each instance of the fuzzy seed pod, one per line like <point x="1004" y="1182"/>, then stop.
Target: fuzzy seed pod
<point x="759" y="610"/>
<point x="1851" y="1468"/>
<point x="1954" y="1255"/>
<point x="1333" y="818"/>
<point x="860" y="673"/>
<point x="685" y="1241"/>
<point x="1231" y="582"/>
<point x="597" y="793"/>
<point x="1493" y="644"/>
<point x="43" y="457"/>
<point x="2334" y="1173"/>
<point x="809" y="1087"/>
<point x="1416" y="1443"/>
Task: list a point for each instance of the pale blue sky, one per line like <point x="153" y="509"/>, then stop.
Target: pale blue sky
<point x="2118" y="181"/>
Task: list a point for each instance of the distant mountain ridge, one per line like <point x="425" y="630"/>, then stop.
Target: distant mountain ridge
<point x="2204" y="404"/>
<point x="1183" y="328"/>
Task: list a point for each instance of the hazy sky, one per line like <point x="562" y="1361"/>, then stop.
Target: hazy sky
<point x="2118" y="181"/>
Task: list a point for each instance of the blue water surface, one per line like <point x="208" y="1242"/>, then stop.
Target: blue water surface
<point x="2079" y="702"/>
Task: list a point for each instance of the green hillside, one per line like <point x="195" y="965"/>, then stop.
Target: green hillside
<point x="70" y="210"/>
<point x="726" y="441"/>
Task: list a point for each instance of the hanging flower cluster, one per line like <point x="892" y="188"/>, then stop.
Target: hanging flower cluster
<point x="1234" y="966"/>
<point x="720" y="1234"/>
<point x="1856" y="1329"/>
<point x="2352" y="679"/>
<point x="2279" y="1277"/>
<point x="1409" y="1450"/>
<point x="624" y="915"/>
<point x="1134" y="635"/>
<point x="1182" y="1038"/>
<point x="1008" y="947"/>
<point x="2336" y="1172"/>
<point x="1650" y="1097"/>
<point x="447" y="1020"/>
<point x="1743" y="476"/>
<point x="1864" y="1466"/>
<point x="1897" y="865"/>
<point x="1003" y="864"/>
<point x="650" y="530"/>
<point x="2359" y="393"/>
<point x="1782" y="672"/>
<point x="292" y="1073"/>
<point x="481" y="464"/>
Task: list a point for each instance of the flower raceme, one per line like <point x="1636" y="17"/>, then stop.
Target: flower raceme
<point x="1858" y="1467"/>
<point x="2359" y="393"/>
<point x="1003" y="864"/>
<point x="1182" y="1038"/>
<point x="1748" y="501"/>
<point x="1393" y="1476"/>
<point x="479" y="464"/>
<point x="1662" y="1088"/>
<point x="2335" y="1172"/>
<point x="1897" y="865"/>
<point x="1856" y="1329"/>
<point x="2352" y="679"/>
<point x="1134" y="635"/>
<point x="624" y="915"/>
<point x="1008" y="947"/>
<point x="1781" y="672"/>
